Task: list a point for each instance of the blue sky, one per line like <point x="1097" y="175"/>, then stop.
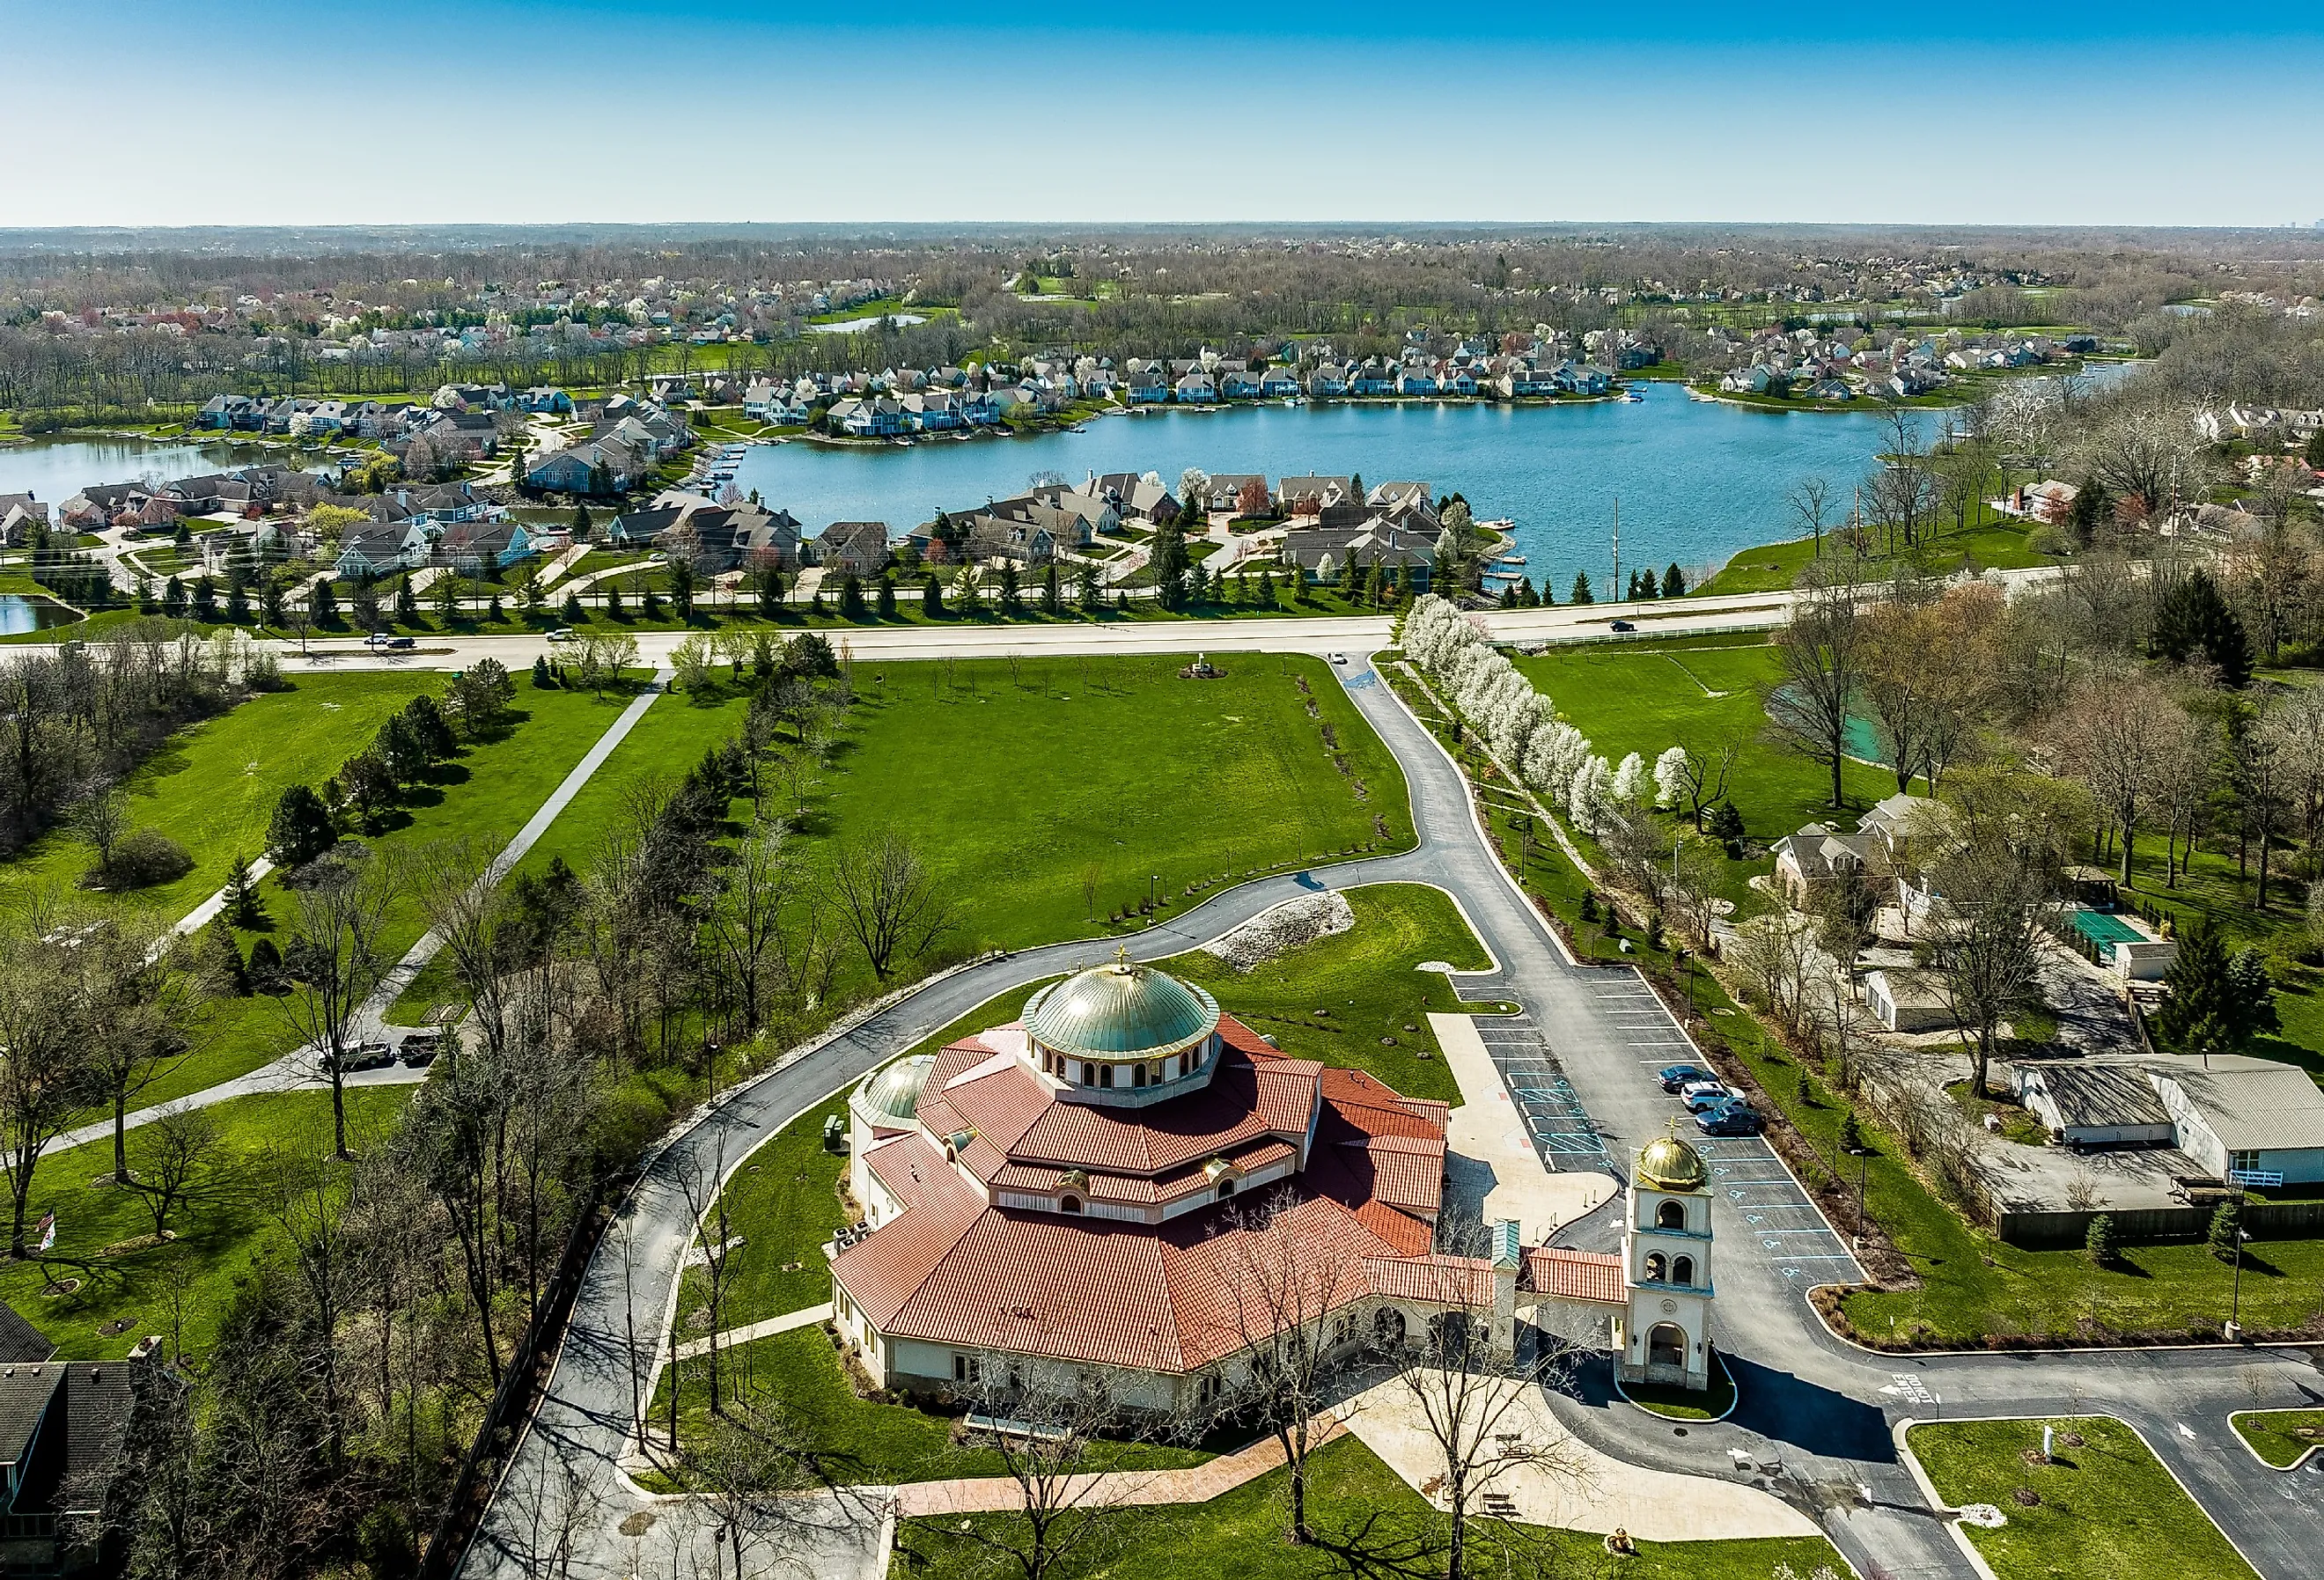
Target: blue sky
<point x="259" y="112"/>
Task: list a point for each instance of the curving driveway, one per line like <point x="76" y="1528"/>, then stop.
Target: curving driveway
<point x="1818" y="1422"/>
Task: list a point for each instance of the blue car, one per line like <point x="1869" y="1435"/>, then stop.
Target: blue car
<point x="1676" y="1075"/>
<point x="1730" y="1119"/>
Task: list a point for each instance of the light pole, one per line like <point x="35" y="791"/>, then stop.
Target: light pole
<point x="2235" y="1306"/>
<point x="1153" y="892"/>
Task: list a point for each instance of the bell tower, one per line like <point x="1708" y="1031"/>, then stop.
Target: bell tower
<point x="1663" y="1334"/>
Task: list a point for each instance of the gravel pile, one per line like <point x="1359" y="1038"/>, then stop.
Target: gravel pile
<point x="1283" y="929"/>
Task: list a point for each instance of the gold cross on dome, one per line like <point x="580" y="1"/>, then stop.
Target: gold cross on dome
<point x="1121" y="956"/>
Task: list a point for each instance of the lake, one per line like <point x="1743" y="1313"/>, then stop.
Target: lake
<point x="1697" y="480"/>
<point x="55" y="469"/>
<point x="20" y="614"/>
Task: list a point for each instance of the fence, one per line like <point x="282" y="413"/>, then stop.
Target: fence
<point x="2052" y="1231"/>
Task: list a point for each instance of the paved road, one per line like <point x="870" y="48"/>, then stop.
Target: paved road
<point x="1818" y="1421"/>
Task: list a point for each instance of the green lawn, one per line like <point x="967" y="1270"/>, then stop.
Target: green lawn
<point x="1700" y="692"/>
<point x="2275" y="1434"/>
<point x="124" y="1293"/>
<point x="1992" y="540"/>
<point x="2107" y="1507"/>
<point x="213" y="787"/>
<point x="1359" y="1504"/>
<point x="862" y="1441"/>
<point x="783" y="1204"/>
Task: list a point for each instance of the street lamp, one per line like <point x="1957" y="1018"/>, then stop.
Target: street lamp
<point x="1153" y="889"/>
<point x="2235" y="1306"/>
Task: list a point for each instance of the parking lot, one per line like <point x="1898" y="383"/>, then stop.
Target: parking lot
<point x="1765" y="1213"/>
<point x="1545" y="1100"/>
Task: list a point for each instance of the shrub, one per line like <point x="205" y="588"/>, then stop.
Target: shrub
<point x="143" y="859"/>
<point x="2100" y="1243"/>
<point x="1852" y="1134"/>
<point x="2226" y="1231"/>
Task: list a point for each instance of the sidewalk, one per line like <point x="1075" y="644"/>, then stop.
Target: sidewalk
<point x="1197" y="1484"/>
<point x="773" y="1326"/>
<point x="1575" y="1487"/>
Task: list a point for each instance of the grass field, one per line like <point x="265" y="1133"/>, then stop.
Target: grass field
<point x="2275" y="1434"/>
<point x="213" y="787"/>
<point x="125" y="1293"/>
<point x="1360" y="1505"/>
<point x="2107" y="1507"/>
<point x="1993" y="541"/>
<point x="1700" y="692"/>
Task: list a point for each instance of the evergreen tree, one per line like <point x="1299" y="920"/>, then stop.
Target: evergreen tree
<point x="1673" y="581"/>
<point x="932" y="603"/>
<point x="2215" y="1004"/>
<point x="300" y="829"/>
<point x="323" y="604"/>
<point x="269" y="602"/>
<point x="887" y="598"/>
<point x="367" y="606"/>
<point x="243" y="906"/>
<point x="650" y="606"/>
<point x="613" y="610"/>
<point x="851" y="597"/>
<point x="2225" y="1235"/>
<point x="581" y="523"/>
<point x="767" y="587"/>
<point x="1267" y="589"/>
<point x="542" y="680"/>
<point x="238" y="604"/>
<point x="2100" y="1245"/>
<point x="1011" y="594"/>
<point x="173" y="598"/>
<point x="681" y="589"/>
<point x="222" y="969"/>
<point x="2193" y="618"/>
<point x="1580" y="593"/>
<point x="1052" y="594"/>
<point x="2093" y="508"/>
<point x="1852" y="1134"/>
<point x="266" y="966"/>
<point x="1548" y="592"/>
<point x="2316" y="449"/>
<point x="203" y="605"/>
<point x="571" y="611"/>
<point x="1167" y="558"/>
<point x="407" y="603"/>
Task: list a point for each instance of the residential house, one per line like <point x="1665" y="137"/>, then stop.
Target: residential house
<point x="1196" y="388"/>
<point x="2246" y="1121"/>
<point x="1818" y="856"/>
<point x="1148" y="386"/>
<point x="1226" y="490"/>
<point x="1328" y="381"/>
<point x="1242" y="384"/>
<point x="1304" y="496"/>
<point x="1415" y="380"/>
<point x="1373" y="542"/>
<point x="857" y="548"/>
<point x="547" y="400"/>
<point x="381" y="550"/>
<point x="61" y="1424"/>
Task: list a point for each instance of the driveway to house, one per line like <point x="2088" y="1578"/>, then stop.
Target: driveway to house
<point x="1815" y="1425"/>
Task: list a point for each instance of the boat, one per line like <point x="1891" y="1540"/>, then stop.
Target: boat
<point x="1509" y="559"/>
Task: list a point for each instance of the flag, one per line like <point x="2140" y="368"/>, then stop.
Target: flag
<point x="47" y="1230"/>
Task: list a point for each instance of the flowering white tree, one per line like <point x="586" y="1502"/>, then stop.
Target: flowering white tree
<point x="1553" y="757"/>
<point x="1672" y="779"/>
<point x="1590" y="801"/>
<point x="1630" y="781"/>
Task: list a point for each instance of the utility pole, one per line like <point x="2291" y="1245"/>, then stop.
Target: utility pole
<point x="1614" y="589"/>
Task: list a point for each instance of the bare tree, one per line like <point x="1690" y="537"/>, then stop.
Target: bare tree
<point x="702" y="1185"/>
<point x="103" y="819"/>
<point x="1811" y="500"/>
<point x="178" y="1143"/>
<point x="1047" y="1420"/>
<point x="1705" y="774"/>
<point x="137" y="1004"/>
<point x="1291" y="1280"/>
<point x="892" y="902"/>
<point x="2116" y="731"/>
<point x="1985" y="945"/>
<point x="1823" y="655"/>
<point x="44" y="1077"/>
<point x="333" y="962"/>
<point x="1474" y="1400"/>
<point x="746" y="921"/>
<point x="307" y="1202"/>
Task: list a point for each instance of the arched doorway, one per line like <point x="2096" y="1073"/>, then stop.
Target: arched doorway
<point x="1667" y="1352"/>
<point x="1387" y="1329"/>
<point x="1449" y="1333"/>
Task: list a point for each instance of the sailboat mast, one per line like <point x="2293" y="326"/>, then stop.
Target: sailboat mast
<point x="1614" y="591"/>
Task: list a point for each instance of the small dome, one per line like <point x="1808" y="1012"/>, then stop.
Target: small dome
<point x="1668" y="1163"/>
<point x="1121" y="1011"/>
<point x="894" y="1092"/>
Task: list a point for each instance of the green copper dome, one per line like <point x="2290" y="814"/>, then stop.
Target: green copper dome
<point x="1121" y="1011"/>
<point x="894" y="1092"/>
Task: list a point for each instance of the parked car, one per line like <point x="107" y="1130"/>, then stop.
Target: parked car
<point x="1338" y="658"/>
<point x="1699" y="1096"/>
<point x="1677" y="1077"/>
<point x="1729" y="1118"/>
<point x="420" y="1047"/>
<point x="370" y="1056"/>
<point x="400" y="643"/>
<point x="1623" y="626"/>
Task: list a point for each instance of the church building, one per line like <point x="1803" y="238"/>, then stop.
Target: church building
<point x="1100" y="1184"/>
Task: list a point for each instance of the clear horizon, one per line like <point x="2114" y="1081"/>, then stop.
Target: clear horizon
<point x="517" y="112"/>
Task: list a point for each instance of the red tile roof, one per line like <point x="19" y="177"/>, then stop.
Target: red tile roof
<point x="1575" y="1275"/>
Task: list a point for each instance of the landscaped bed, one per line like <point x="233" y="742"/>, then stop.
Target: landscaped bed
<point x="2104" y="1505"/>
<point x="2282" y="1437"/>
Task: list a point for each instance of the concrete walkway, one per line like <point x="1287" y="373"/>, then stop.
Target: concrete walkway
<point x="788" y="1322"/>
<point x="1195" y="1484"/>
<point x="302" y="1066"/>
<point x="1573" y="1486"/>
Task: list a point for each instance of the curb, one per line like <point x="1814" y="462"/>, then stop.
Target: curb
<point x="1733" y="1403"/>
<point x="2311" y="1452"/>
